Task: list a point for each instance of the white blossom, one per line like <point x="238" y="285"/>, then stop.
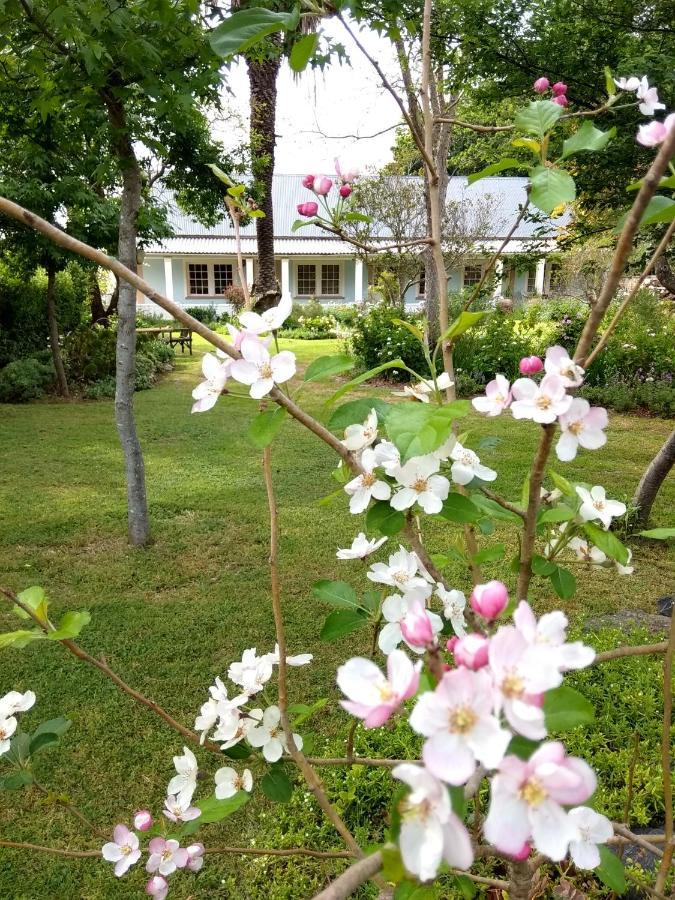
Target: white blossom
<point x="421" y="484"/>
<point x="466" y="466"/>
<point x="184" y="782"/>
<point x="229" y="782"/>
<point x="367" y="485"/>
<point x="361" y="547"/>
<point x="270" y="736"/>
<point x="454" y="604"/>
<point x="358" y="437"/>
<point x="595" y="505"/>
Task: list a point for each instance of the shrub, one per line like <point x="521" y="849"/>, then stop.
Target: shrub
<point x="657" y="397"/>
<point x="25" y="379"/>
<point x="89" y="353"/>
<point x="314" y="328"/>
<point x="234" y="295"/>
<point x="208" y="315"/>
<point x="158" y="350"/>
<point x="146" y="372"/>
<point x="345" y="315"/>
<point x="104" y="389"/>
<point x="377" y="339"/>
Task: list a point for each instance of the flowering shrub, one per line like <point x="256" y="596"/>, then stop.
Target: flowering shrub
<point x="378" y="338"/>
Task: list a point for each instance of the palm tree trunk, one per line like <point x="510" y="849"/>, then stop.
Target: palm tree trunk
<point x="262" y="75"/>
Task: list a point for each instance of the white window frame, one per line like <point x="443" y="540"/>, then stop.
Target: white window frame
<point x="209" y="263"/>
<point x="531" y="274"/>
<point x="473" y="265"/>
<point x="318" y="279"/>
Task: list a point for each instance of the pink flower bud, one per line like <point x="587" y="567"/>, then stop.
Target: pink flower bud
<point x="523" y="853"/>
<point x="322" y="185"/>
<point x="157" y="887"/>
<point x="472" y="651"/>
<point x="530" y="365"/>
<point x="308" y="209"/>
<point x="345" y="190"/>
<point x="142" y="820"/>
<point x="541" y="85"/>
<point x="416" y="626"/>
<point x="452" y="643"/>
<point x="489" y="600"/>
<point x="308" y="181"/>
<point x="195" y="854"/>
<point x="559" y="88"/>
<point x="561" y="100"/>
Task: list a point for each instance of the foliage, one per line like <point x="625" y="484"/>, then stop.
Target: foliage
<point x="103" y="389"/>
<point x="208" y="315"/>
<point x="313" y="328"/>
<point x="90" y="358"/>
<point x="656" y="397"/>
<point x="234" y="295"/>
<point x="25" y="379"/>
<point x="377" y="338"/>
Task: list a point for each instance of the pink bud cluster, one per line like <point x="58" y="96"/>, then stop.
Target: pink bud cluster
<point x="321" y="186"/>
<point x="558" y="90"/>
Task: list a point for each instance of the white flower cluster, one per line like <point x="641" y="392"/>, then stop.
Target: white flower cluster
<point x="11" y="705"/>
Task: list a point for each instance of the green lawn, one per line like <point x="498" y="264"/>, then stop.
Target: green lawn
<point x="173" y="616"/>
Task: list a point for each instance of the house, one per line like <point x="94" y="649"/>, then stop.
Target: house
<point x="197" y="264"/>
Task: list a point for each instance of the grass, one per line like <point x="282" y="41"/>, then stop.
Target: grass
<point x="171" y="617"/>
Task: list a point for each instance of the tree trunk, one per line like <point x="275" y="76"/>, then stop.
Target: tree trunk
<point x="665" y="274"/>
<point x="125" y="371"/>
<point x="52" y="319"/>
<point x="99" y="314"/>
<point x="262" y="76"/>
<point x="653" y="478"/>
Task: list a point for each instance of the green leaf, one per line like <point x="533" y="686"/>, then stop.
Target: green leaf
<point x="465" y="886"/>
<point x="417" y="429"/>
<point x="462" y="323"/>
<point x="458" y="801"/>
<point x="36" y="600"/>
<point x="538" y="118"/>
<point x="20" y="638"/>
<point x="276" y="785"/>
<point x="354" y="216"/>
<point x="522" y="747"/>
<point x="412" y="890"/>
<point x="565" y="708"/>
<point x="564" y="583"/>
<point x="237" y="751"/>
<point x="542" y="566"/>
<point x="19" y="749"/>
<point x="413" y="329"/>
<point x="301" y="711"/>
<point x="550" y="188"/>
<point x="588" y="137"/>
<point x="342" y="622"/>
<point x="460" y="509"/>
<point x="490" y="554"/>
<point x="57" y="726"/>
<point x="303" y="51"/>
<point x="560" y="513"/>
<point x="611" y="871"/>
<point x="300" y="223"/>
<point x="382" y="519"/>
<point x="365" y="376"/>
<point x="530" y="144"/>
<point x="265" y="427"/>
<point x="609" y="82"/>
<point x="247" y="27"/>
<point x="494" y="168"/>
<point x="40" y="741"/>
<point x="214" y="810"/>
<point x="218" y="172"/>
<point x="607" y="542"/>
<point x="393" y="869"/>
<point x="16" y="780"/>
<point x="371" y="600"/>
<point x="562" y="484"/>
<point x="70" y="626"/>
<point x="357" y="411"/>
<point x="493" y="509"/>
<point x="327" y="366"/>
<point x="337" y="593"/>
<point x="659" y="209"/>
<point x="658" y="534"/>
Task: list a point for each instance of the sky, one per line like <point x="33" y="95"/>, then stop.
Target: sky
<point x="322" y="115"/>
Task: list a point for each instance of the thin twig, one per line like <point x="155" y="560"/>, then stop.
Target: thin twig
<point x="534" y="499"/>
<point x="71" y="808"/>
<point x="356" y="875"/>
<point x="621" y="829"/>
<point x="57" y="851"/>
<point x="620" y="652"/>
<point x="505" y="504"/>
<point x="665" y="760"/>
<point x="291" y="851"/>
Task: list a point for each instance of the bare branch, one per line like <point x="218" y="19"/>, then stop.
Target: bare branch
<point x="355" y="876"/>
<point x="57" y="851"/>
<point x="534" y="499"/>
<point x="620" y="652"/>
<point x="665" y="760"/>
<point x="290" y="851"/>
<point x="505" y="504"/>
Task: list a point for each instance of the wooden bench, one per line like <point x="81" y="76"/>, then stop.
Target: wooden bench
<point x="174" y="336"/>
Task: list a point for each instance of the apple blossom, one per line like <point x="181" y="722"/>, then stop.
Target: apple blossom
<point x="466" y="466"/>
<point x="215" y="377"/>
<point x="260" y="370"/>
<point x="308" y="209"/>
<point x="209" y="714"/>
<point x="177" y="810"/>
<point x="628" y="84"/>
<point x="527" y="801"/>
<point x="471" y="651"/>
<point x="123" y="850"/>
<point x="300" y="659"/>
<point x="586" y="552"/>
<point x="593" y="829"/>
<point x="361" y="547"/>
<point x="458" y="722"/>
<point x="321" y="185"/>
<point x="252" y="673"/>
<point x="346" y="176"/>
<point x="560" y="100"/>
<point x="388" y="457"/>
<point x="497" y="397"/>
<point x="549" y="635"/>
<point x="143" y="820"/>
<point x="16" y="702"/>
<point x="628" y="569"/>
<point x="270" y="320"/>
<point x="270" y="736"/>
<point x="530" y="365"/>
<point x="184" y="783"/>
<point x="157" y="887"/>
<point x="654" y="133"/>
<point x="165" y="856"/>
<point x="582" y="425"/>
<point x="649" y="98"/>
<point x="308" y="181"/>
<point x="595" y="505"/>
<point x="373" y="696"/>
<point x="416" y="626"/>
<point x="233" y="728"/>
<point x="229" y="782"/>
<point x="444" y="452"/>
<point x="367" y="485"/>
<point x="421" y="390"/>
<point x="195" y="854"/>
<point x="542" y="402"/>
<point x="357" y="437"/>
<point x="421" y="484"/>
<point x="7" y="729"/>
<point x="541" y="85"/>
<point x="345" y="191"/>
<point x="558" y="362"/>
<point x="521" y="675"/>
<point x="559" y="88"/>
<point x="430" y="831"/>
<point x="489" y="600"/>
<point x="394" y="609"/>
<point x="401" y="572"/>
<point x="454" y="604"/>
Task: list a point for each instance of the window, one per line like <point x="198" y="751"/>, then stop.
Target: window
<point x="330" y="280"/>
<point x="422" y="284"/>
<point x="198" y="277"/>
<point x="472" y="274"/>
<point x="306" y="280"/>
<point x="222" y="277"/>
<point x="531" y="281"/>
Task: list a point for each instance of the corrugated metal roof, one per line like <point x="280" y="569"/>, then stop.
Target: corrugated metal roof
<point x="504" y="196"/>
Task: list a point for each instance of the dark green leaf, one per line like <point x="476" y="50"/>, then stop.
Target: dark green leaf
<point x="265" y="427"/>
<point x="494" y="168"/>
<point x="246" y="27"/>
<point x="465" y="886"/>
<point x="460" y="509"/>
<point x="382" y="519"/>
<point x="486" y="526"/>
<point x="418" y="429"/>
<point x="538" y="118"/>
<point x="327" y="366"/>
<point x="560" y="513"/>
<point x="458" y="801"/>
<point x="19" y="749"/>
<point x="357" y="411"/>
<point x="276" y="785"/>
<point x="564" y="583"/>
<point x="353" y="216"/>
<point x="490" y="554"/>
<point x="371" y="600"/>
<point x="658" y="534"/>
<point x="237" y="751"/>
<point x="611" y="871"/>
<point x="57" y="726"/>
<point x="337" y="593"/>
<point x="342" y="622"/>
<point x="522" y="747"/>
<point x="607" y="542"/>
<point x="542" y="566"/>
<point x="493" y="509"/>
<point x="40" y="741"/>
<point x="550" y="188"/>
<point x="302" y="52"/>
<point x="565" y="708"/>
<point x="588" y="137"/>
<point x="16" y="780"/>
<point x="214" y="810"/>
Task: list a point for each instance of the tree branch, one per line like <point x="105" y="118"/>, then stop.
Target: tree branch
<point x="534" y="499"/>
<point x="291" y="851"/>
<point x="619" y="652"/>
<point x="57" y="851"/>
<point x="356" y="875"/>
<point x="505" y="504"/>
<point x="665" y="761"/>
